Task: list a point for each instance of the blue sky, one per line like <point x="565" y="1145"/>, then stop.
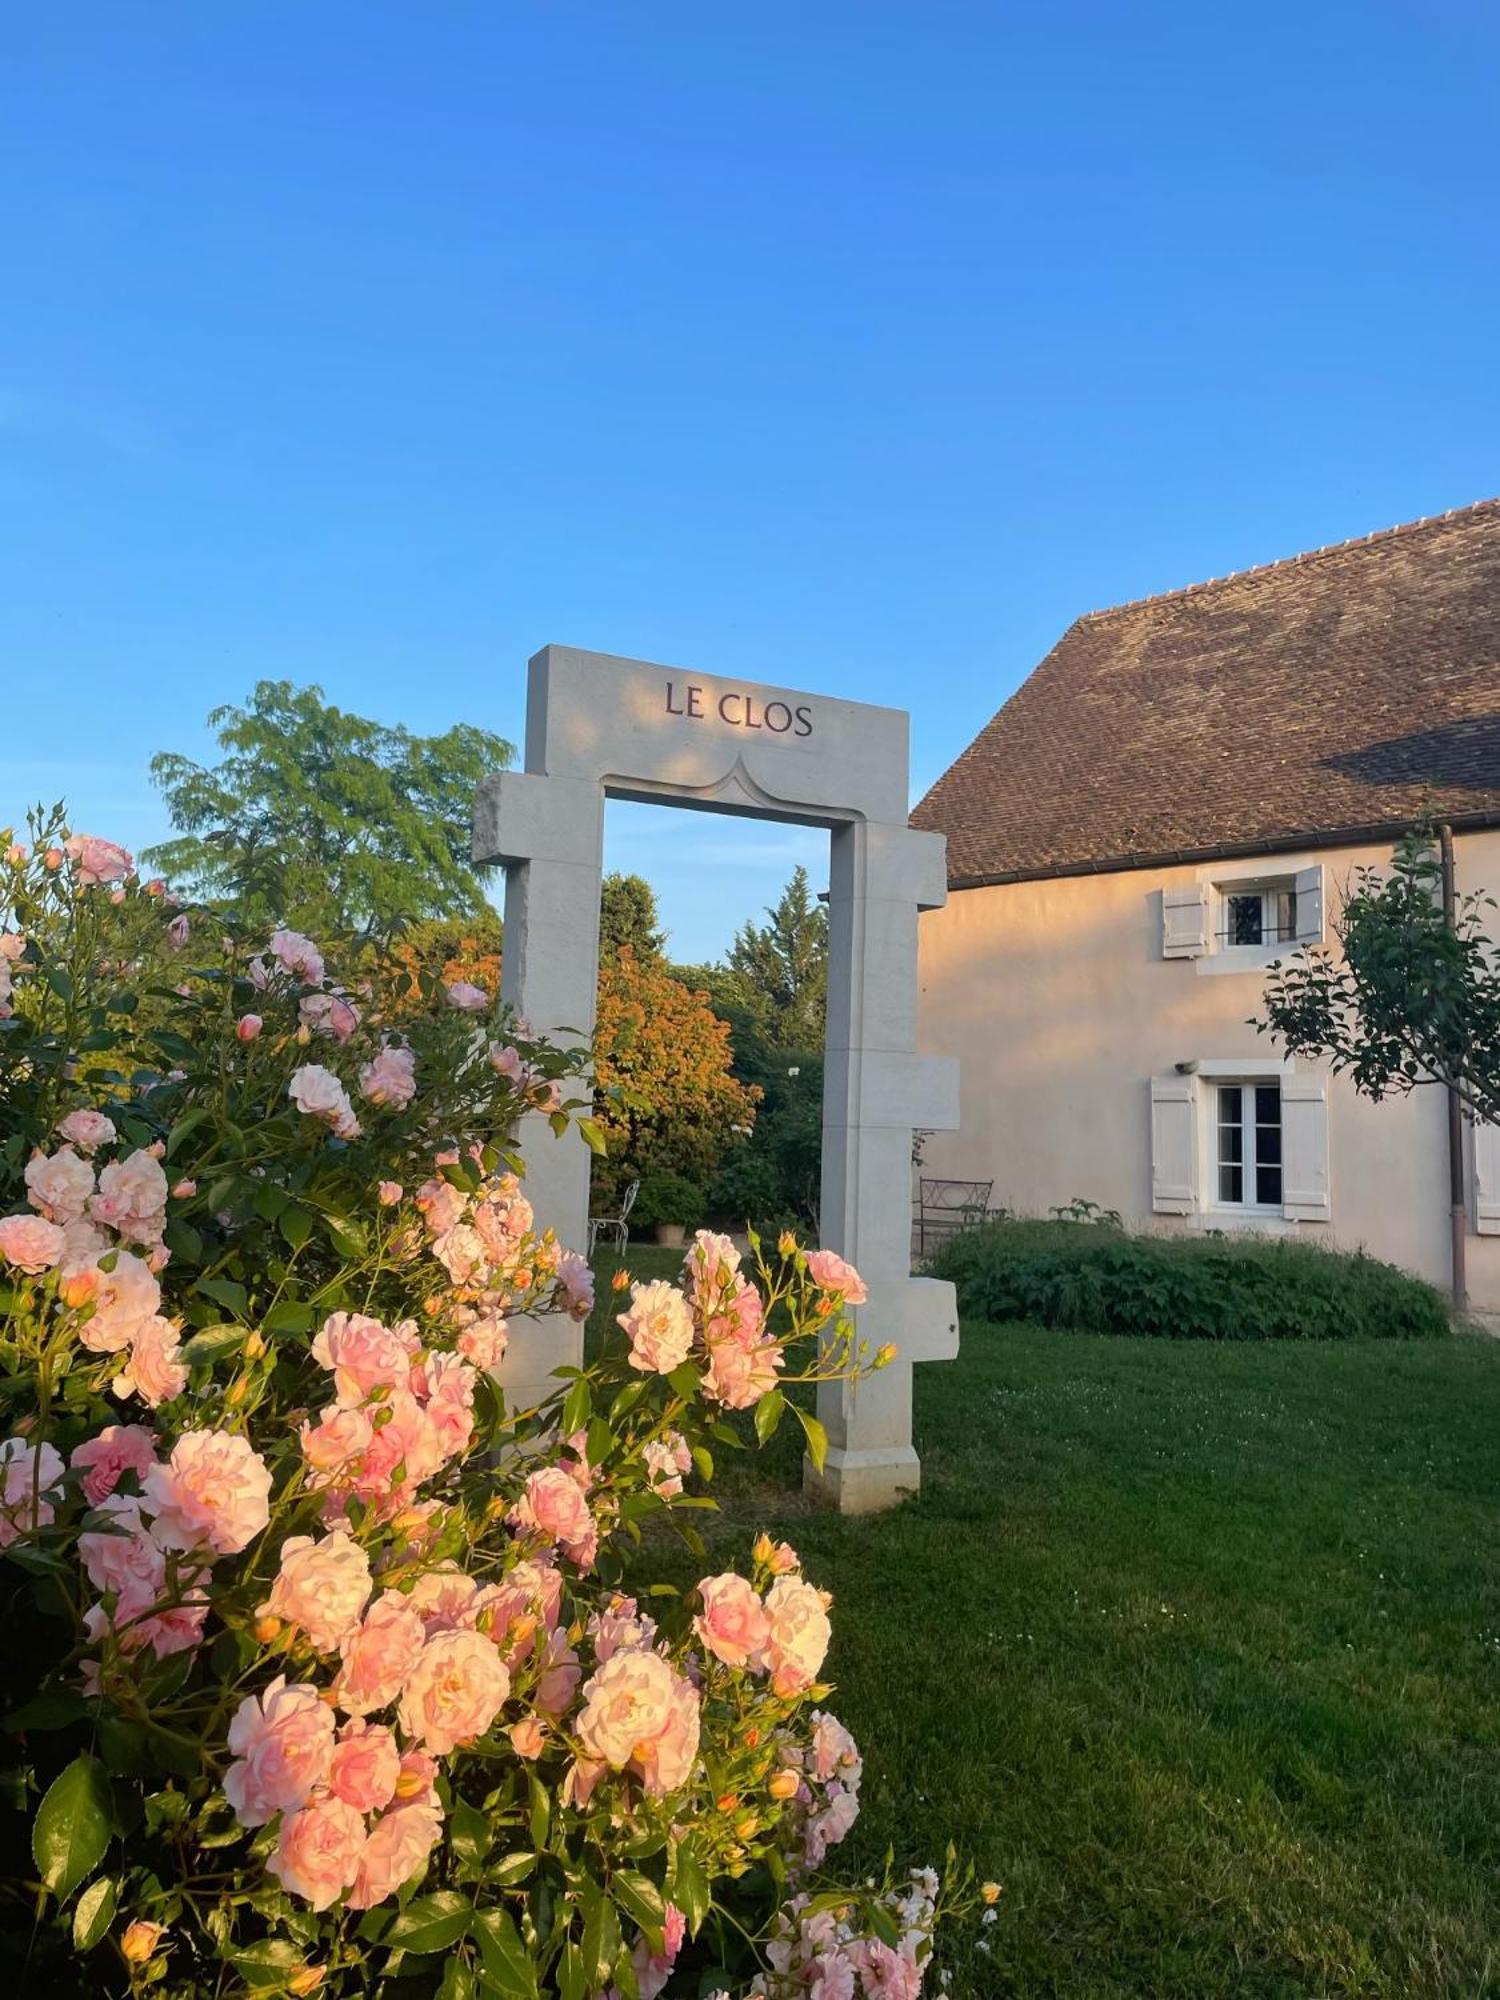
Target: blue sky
<point x="857" y="345"/>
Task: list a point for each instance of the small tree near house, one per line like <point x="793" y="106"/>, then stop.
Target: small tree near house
<point x="1412" y="999"/>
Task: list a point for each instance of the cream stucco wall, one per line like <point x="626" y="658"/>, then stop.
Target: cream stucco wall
<point x="1057" y="999"/>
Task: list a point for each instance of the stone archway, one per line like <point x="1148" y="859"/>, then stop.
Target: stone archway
<point x="600" y="727"/>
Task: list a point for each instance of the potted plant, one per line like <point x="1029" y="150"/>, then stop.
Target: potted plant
<point x="670" y="1205"/>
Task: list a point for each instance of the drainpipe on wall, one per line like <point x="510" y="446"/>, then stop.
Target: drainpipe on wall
<point x="1458" y="1205"/>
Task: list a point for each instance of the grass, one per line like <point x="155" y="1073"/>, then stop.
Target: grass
<point x="1194" y="1648"/>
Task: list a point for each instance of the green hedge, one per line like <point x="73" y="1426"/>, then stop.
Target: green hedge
<point x="1100" y="1280"/>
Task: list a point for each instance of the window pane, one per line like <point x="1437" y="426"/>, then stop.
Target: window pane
<point x="1268" y="1185"/>
<point x="1231" y="1143"/>
<point x="1268" y="1145"/>
<point x="1245" y="919"/>
<point x="1268" y="1104"/>
<point x="1231" y="1108"/>
<point x="1231" y="1183"/>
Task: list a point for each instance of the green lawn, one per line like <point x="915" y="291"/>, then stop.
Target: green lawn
<point x="1195" y="1648"/>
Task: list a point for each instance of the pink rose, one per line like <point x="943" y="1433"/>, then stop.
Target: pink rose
<point x="30" y="1243"/>
<point x="132" y="1198"/>
<point x="317" y="1093"/>
<point x="626" y="1702"/>
<point x="528" y="1737"/>
<point x="797" y="1644"/>
<point x="454" y="1692"/>
<point x="408" y="1441"/>
<point x="248" y="1026"/>
<point x="213" y="1492"/>
<point x="177" y="933"/>
<point x="555" y="1509"/>
<point x="560" y="1674"/>
<point x="710" y="1264"/>
<point x="620" y="1627"/>
<point x="388" y="1193"/>
<point x="831" y="1274"/>
<point x="336" y="1443"/>
<point x="659" y="1326"/>
<point x="527" y="1596"/>
<point x="637" y="1696"/>
<point x="29" y="1478"/>
<point x="99" y="860"/>
<point x="450" y="1401"/>
<point x="298" y="955"/>
<point x="733" y="1626"/>
<point x="321" y="1586"/>
<point x="461" y="1253"/>
<point x="484" y="1341"/>
<point x="87" y="1130"/>
<point x="105" y="1459"/>
<point x="125" y="1561"/>
<point x="318" y="1852"/>
<point x="443" y="1598"/>
<point x="153" y="1372"/>
<point x="396" y="1851"/>
<point x="380" y="1655"/>
<point x="667" y="1459"/>
<point x="59" y="1185"/>
<point x="835" y="1754"/>
<point x="390" y="1079"/>
<point x="366" y="1765"/>
<point x="738" y="1376"/>
<point x="468" y="999"/>
<point x="283" y="1745"/>
<point x="576" y="1277"/>
<point x="362" y="1355"/>
<point x="125" y="1299"/>
<point x="654" y="1969"/>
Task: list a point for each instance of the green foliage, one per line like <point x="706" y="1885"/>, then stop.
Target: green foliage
<point x="780" y="969"/>
<point x="324" y="820"/>
<point x="1411" y="1000"/>
<point x="668" y="1198"/>
<point x="1090" y="1279"/>
<point x="628" y="918"/>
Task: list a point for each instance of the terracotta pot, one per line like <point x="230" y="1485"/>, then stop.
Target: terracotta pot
<point x="671" y="1235"/>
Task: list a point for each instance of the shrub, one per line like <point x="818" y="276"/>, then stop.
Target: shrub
<point x="1093" y="1280"/>
<point x="668" y="1198"/>
<point x="327" y="1667"/>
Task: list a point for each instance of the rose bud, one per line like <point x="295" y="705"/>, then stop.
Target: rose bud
<point x="783" y="1785"/>
<point x="184" y="1190"/>
<point x="248" y="1027"/>
<point x="266" y="1629"/>
<point x="140" y="1941"/>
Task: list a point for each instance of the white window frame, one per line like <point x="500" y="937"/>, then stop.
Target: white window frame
<point x="1254" y="1210"/>
<point x="1230" y="1215"/>
<point x="1300" y="875"/>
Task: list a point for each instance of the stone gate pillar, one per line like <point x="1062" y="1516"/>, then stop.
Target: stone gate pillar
<point x="597" y="727"/>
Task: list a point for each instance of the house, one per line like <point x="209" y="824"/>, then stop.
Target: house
<point x="1177" y="796"/>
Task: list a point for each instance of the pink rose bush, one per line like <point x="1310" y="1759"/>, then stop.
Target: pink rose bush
<point x="360" y="1652"/>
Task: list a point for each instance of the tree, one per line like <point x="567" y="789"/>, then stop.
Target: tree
<point x="782" y="967"/>
<point x="325" y="820"/>
<point x="1413" y="998"/>
<point x="628" y="916"/>
<point x="667" y="1097"/>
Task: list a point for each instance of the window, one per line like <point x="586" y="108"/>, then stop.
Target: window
<point x="1248" y="1152"/>
<point x="1257" y="913"/>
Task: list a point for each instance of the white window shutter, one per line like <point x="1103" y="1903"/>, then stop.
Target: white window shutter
<point x="1184" y="921"/>
<point x="1174" y="1145"/>
<point x="1310" y="904"/>
<point x="1304" y="1148"/>
<point x="1487" y="1180"/>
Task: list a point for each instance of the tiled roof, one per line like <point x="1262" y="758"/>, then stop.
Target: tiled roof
<point x="1337" y="693"/>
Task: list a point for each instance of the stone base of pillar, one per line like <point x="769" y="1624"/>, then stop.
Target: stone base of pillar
<point x="865" y="1482"/>
<point x="538" y="1344"/>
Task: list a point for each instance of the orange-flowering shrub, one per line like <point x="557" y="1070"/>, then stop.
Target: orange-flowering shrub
<point x="667" y="1096"/>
